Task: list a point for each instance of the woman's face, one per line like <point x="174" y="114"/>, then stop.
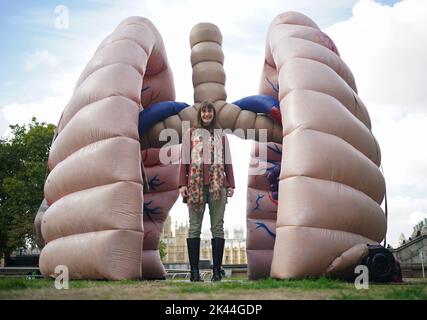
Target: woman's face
<point x="207" y="116"/>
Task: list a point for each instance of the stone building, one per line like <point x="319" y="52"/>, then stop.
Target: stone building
<point x="412" y="252"/>
<point x="176" y="245"/>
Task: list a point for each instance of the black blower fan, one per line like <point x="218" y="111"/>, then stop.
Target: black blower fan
<point x="381" y="264"/>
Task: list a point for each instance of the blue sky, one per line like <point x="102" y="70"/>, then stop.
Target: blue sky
<point x="27" y="27"/>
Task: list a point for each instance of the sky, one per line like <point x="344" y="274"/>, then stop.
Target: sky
<point x="383" y="43"/>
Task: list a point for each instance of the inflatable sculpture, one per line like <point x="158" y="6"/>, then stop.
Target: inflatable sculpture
<point x="310" y="212"/>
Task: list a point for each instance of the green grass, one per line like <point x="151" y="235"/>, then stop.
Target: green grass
<point x="348" y="296"/>
<point x="381" y="291"/>
<point x="417" y="292"/>
<point x="23" y="283"/>
<point x="322" y="288"/>
<point x="34" y="283"/>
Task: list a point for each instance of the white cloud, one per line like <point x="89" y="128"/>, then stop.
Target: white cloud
<point x="385" y="49"/>
<point x="64" y="83"/>
<point x="4" y="124"/>
<point x="40" y="58"/>
<point x="48" y="110"/>
<point x="404" y="214"/>
<point x="404" y="158"/>
<point x="416" y="217"/>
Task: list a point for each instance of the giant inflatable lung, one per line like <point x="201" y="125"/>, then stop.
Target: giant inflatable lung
<point x="310" y="212"/>
<point x="95" y="223"/>
<point x="330" y="187"/>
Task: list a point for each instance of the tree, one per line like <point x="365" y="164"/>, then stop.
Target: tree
<point x="23" y="170"/>
<point x="162" y="249"/>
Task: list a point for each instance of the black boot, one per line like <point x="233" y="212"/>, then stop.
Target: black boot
<point x="193" y="245"/>
<point x="217" y="253"/>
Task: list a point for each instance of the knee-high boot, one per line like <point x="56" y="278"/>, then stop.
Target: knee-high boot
<point x="193" y="245"/>
<point x="217" y="254"/>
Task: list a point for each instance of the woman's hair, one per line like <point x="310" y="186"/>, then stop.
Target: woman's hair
<point x="199" y="122"/>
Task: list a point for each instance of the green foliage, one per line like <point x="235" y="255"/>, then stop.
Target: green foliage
<point x="162" y="249"/>
<point x="23" y="168"/>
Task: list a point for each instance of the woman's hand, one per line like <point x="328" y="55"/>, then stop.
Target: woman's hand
<point x="183" y="191"/>
<point x="230" y="192"/>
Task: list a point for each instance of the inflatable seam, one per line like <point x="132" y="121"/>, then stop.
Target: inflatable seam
<point x="321" y="228"/>
<point x="104" y="98"/>
<point x="102" y="67"/>
<point x="127" y="39"/>
<point x="99" y="67"/>
<point x="315" y="228"/>
<point x="109" y="96"/>
<point x="220" y="43"/>
<point x="311" y="59"/>
<point x="211" y="81"/>
<point x="354" y="113"/>
<point x="307" y="176"/>
<point x="280" y="22"/>
<point x="342" y="66"/>
<point x="210" y="60"/>
<point x="356" y="105"/>
<point x="301" y="126"/>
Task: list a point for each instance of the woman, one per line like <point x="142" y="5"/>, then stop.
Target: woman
<point x="206" y="176"/>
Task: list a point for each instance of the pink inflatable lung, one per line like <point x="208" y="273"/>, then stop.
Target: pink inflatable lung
<point x="310" y="212"/>
<point x="330" y="187"/>
<point x="163" y="193"/>
<point x="261" y="209"/>
<point x="95" y="223"/>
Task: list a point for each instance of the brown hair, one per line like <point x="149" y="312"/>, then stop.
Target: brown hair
<point x="199" y="122"/>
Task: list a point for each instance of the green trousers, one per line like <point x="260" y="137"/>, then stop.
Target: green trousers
<point x="216" y="211"/>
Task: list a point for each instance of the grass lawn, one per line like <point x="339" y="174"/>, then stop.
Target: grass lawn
<point x="22" y="288"/>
